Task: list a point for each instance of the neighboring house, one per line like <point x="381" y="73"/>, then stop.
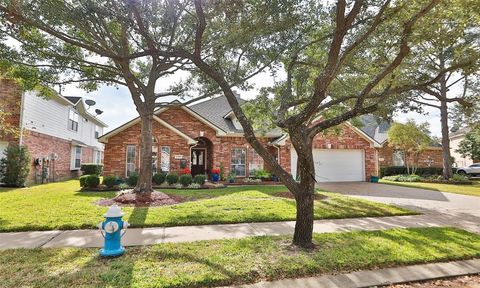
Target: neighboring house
<point x="59" y="132"/>
<point x="207" y="135"/>
<point x="455" y="139"/>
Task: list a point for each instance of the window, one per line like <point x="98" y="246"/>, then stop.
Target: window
<point x="97" y="131"/>
<point x="238" y="161"/>
<point x="73" y="120"/>
<point x="398" y="158"/>
<point x="98" y="157"/>
<point x="131" y="156"/>
<point x="256" y="162"/>
<point x="154" y="155"/>
<point x="165" y="159"/>
<point x="77" y="157"/>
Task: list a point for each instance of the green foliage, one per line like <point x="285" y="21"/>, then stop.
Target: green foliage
<point x="222" y="172"/>
<point x="92" y="169"/>
<point x="172" y="178"/>
<point x="89" y="181"/>
<point x="470" y="145"/>
<point x="411" y="138"/>
<point x="261" y="174"/>
<point x="14" y="168"/>
<point x="401" y="170"/>
<point x="199" y="179"/>
<point x="159" y="178"/>
<point x="459" y="178"/>
<point x="132" y="180"/>
<point x="194" y="186"/>
<point x="110" y="181"/>
<point x="403" y="178"/>
<point x="185" y="179"/>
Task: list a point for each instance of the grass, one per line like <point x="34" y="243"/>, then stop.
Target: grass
<point x="227" y="262"/>
<point x="61" y="206"/>
<point x="472" y="190"/>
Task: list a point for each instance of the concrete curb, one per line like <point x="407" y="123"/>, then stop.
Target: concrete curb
<point x="379" y="277"/>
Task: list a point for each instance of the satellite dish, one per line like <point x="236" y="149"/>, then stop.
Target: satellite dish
<point x="90" y="102"/>
<point x="98" y="111"/>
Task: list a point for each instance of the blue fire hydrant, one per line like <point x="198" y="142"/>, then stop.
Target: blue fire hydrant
<point x="111" y="230"/>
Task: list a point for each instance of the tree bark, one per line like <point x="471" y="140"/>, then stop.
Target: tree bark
<point x="447" y="166"/>
<point x="304" y="192"/>
<point x="144" y="184"/>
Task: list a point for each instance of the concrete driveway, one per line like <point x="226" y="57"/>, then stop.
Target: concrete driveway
<point x="461" y="210"/>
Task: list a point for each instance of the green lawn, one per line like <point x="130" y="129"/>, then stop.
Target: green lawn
<point x="226" y="262"/>
<point x="62" y="206"/>
<point x="473" y="190"/>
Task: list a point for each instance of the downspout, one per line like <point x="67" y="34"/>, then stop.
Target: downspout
<point x="22" y="107"/>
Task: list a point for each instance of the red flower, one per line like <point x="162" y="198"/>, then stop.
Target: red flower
<point x="216" y="171"/>
<point x="186" y="171"/>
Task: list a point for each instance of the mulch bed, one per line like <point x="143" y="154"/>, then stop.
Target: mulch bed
<point x="288" y="194"/>
<point x="154" y="199"/>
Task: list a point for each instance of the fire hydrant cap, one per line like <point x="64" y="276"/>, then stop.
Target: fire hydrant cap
<point x="114" y="211"/>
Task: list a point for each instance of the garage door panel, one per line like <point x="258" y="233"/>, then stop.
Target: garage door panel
<point x="336" y="165"/>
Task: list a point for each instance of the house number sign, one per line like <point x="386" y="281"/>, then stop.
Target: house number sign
<point x="178" y="156"/>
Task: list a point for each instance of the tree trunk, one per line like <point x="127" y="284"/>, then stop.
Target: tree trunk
<point x="144" y="184"/>
<point x="447" y="166"/>
<point x="304" y="194"/>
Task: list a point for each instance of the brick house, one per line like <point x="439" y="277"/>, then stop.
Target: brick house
<point x="207" y="135"/>
<point x="59" y="132"/>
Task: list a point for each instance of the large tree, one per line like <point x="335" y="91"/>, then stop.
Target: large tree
<point x="344" y="65"/>
<point x="93" y="43"/>
<point x="470" y="145"/>
<point x="410" y="138"/>
<point x="450" y="41"/>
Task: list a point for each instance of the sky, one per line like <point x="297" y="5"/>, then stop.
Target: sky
<point x="118" y="106"/>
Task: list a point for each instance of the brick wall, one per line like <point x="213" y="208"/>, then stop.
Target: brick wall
<point x="10" y="102"/>
<point x="41" y="145"/>
<point x="385" y="157"/>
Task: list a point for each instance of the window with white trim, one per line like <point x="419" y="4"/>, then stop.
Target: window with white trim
<point x="77" y="157"/>
<point x="398" y="158"/>
<point x="165" y="159"/>
<point x="98" y="157"/>
<point x="72" y="120"/>
<point x="97" y="131"/>
<point x="238" y="161"/>
<point x="255" y="162"/>
<point x="131" y="156"/>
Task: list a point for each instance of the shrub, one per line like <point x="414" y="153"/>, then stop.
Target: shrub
<point x="459" y="178"/>
<point x="89" y="181"/>
<point x="251" y="180"/>
<point x="159" y="178"/>
<point x="91" y="169"/>
<point x="14" y="168"/>
<point x="261" y="174"/>
<point x="391" y="178"/>
<point x="400" y="170"/>
<point x="123" y="186"/>
<point x="199" y="179"/>
<point x="194" y="186"/>
<point x="172" y="178"/>
<point x="109" y="181"/>
<point x="403" y="178"/>
<point x="185" y="179"/>
<point x="132" y="179"/>
<point x="178" y="186"/>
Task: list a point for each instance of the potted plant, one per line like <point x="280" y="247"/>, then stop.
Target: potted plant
<point x="374" y="179"/>
<point x="215" y="175"/>
<point x="231" y="178"/>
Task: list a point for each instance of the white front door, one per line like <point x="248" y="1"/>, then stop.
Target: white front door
<point x="335" y="165"/>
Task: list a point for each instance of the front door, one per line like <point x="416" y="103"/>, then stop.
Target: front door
<point x="198" y="161"/>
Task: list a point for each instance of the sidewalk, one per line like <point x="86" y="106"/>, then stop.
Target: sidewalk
<point x="149" y="236"/>
<point x="373" y="278"/>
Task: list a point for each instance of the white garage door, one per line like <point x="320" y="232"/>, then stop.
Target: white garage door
<point x="335" y="165"/>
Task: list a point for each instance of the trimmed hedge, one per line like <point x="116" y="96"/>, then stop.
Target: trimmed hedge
<point x="185" y="179"/>
<point x="159" y="178"/>
<point x="132" y="179"/>
<point x="91" y="169"/>
<point x="199" y="179"/>
<point x="421" y="171"/>
<point x="172" y="178"/>
<point x="109" y="181"/>
<point x="89" y="181"/>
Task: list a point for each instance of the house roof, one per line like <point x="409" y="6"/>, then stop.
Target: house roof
<point x="214" y="110"/>
<point x="374" y="127"/>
